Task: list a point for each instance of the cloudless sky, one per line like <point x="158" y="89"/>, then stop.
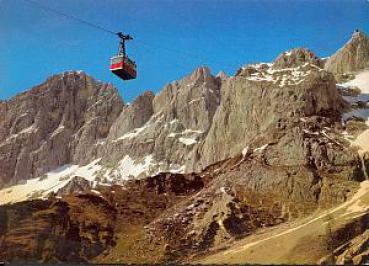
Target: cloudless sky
<point x="171" y="37"/>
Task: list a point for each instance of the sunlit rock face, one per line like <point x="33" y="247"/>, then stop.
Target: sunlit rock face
<point x="262" y="98"/>
<point x="165" y="129"/>
<point x="205" y="162"/>
<point x="55" y="123"/>
<point x="352" y="57"/>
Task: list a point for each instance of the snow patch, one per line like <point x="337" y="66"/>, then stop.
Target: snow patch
<point x="174" y="121"/>
<point x="361" y="81"/>
<point x="58" y="130"/>
<point x="172" y="135"/>
<point x="306" y="131"/>
<point x="28" y="130"/>
<point x="224" y="190"/>
<point x="130" y="168"/>
<point x="100" y="141"/>
<point x="177" y="169"/>
<point x="196" y="100"/>
<point x="245" y="151"/>
<point x="133" y="133"/>
<point x="184" y="134"/>
<point x="95" y="192"/>
<point x="282" y="77"/>
<point x="261" y="148"/>
<point x="192" y="131"/>
<point x="187" y="141"/>
<point x="54" y="180"/>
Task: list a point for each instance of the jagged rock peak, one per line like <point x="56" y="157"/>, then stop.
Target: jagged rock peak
<point x="71" y="72"/>
<point x="77" y="184"/>
<point x="69" y="75"/>
<point x="302" y="59"/>
<point x="168" y="127"/>
<point x="353" y="56"/>
<point x="68" y="113"/>
<point x="43" y="87"/>
<point x="357" y="34"/>
<point x="134" y="115"/>
<point x="222" y="75"/>
<point x="248" y="70"/>
<point x="289" y="92"/>
<point x="201" y="73"/>
<point x="296" y="57"/>
<point x="70" y="81"/>
<point x="142" y="99"/>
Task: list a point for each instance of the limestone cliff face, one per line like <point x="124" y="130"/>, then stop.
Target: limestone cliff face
<point x="268" y="145"/>
<point x="193" y="100"/>
<point x="262" y="97"/>
<point x="55" y="123"/>
<point x="134" y="115"/>
<point x="202" y="119"/>
<point x="352" y="57"/>
<point x="189" y="125"/>
<point x="165" y="128"/>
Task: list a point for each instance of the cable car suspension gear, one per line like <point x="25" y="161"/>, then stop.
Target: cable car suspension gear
<point x="121" y="65"/>
<point x="122" y="44"/>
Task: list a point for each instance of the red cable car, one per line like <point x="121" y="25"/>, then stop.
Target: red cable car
<point x="120" y="64"/>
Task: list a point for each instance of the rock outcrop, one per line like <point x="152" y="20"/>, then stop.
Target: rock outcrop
<point x="134" y="115"/>
<point x="246" y="194"/>
<point x="354" y="56"/>
<point x="56" y="230"/>
<point x="76" y="185"/>
<point x="355" y="251"/>
<point x="55" y="123"/>
<point x="297" y="57"/>
<point x="206" y="161"/>
<point x="261" y="98"/>
<point x="91" y="226"/>
<point x="170" y="127"/>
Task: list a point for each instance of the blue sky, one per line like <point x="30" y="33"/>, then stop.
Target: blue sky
<point x="172" y="37"/>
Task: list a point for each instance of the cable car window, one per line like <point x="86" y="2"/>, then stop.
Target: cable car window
<point x="116" y="60"/>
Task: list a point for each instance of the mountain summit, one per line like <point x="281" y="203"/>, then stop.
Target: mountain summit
<point x="53" y="124"/>
<point x="354" y="56"/>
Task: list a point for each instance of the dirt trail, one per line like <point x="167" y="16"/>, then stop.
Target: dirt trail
<point x="298" y="242"/>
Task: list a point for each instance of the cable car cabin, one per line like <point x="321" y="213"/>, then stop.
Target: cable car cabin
<point x="123" y="67"/>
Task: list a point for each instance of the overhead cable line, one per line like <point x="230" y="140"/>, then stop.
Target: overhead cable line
<point x="46" y="8"/>
<point x="96" y="26"/>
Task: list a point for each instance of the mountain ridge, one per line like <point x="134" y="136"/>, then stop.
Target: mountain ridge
<point x="205" y="162"/>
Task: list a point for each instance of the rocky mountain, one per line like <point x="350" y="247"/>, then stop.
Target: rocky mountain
<point x="289" y="94"/>
<point x="199" y="168"/>
<point x="80" y="226"/>
<point x="53" y="124"/>
<point x="352" y="57"/>
<point x="165" y="128"/>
